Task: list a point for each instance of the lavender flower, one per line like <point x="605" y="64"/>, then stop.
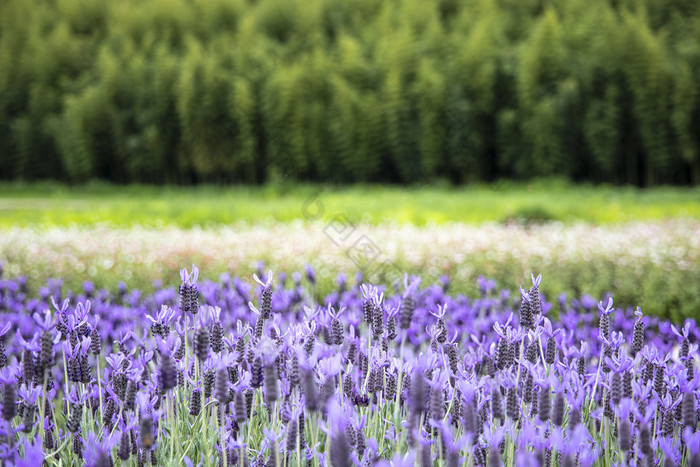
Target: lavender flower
<point x="265" y="295"/>
<point x="534" y="295"/>
<point x="9" y="394"/>
<point x="441" y="327"/>
<point x="167" y="374"/>
<point x="189" y="294"/>
<point x="160" y="325"/>
<point x="418" y="391"/>
<point x="201" y="343"/>
<point x="339" y="446"/>
<point x="221" y="390"/>
<point x="683" y="337"/>
<point x="76" y="416"/>
<point x="638" y="332"/>
<point x="95" y="339"/>
<point x="46" y="354"/>
<point x="408" y="304"/>
<point x="196" y="401"/>
<point x="3" y="331"/>
<point x="217" y="331"/>
<point x="527" y="319"/>
<point x="437" y="402"/>
<point x="240" y="409"/>
<point x="605" y="318"/>
<point x="337" y="333"/>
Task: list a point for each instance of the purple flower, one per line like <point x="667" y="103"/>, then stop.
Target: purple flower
<point x="163" y="317"/>
<point x="45" y="323"/>
<point x="548" y="330"/>
<point x="691" y="438"/>
<point x="411" y="287"/>
<point x="310" y="274"/>
<point x="501" y="330"/>
<point x="683" y="333"/>
<point x="33" y="454"/>
<point x="607" y="308"/>
<point x="268" y="281"/>
<point x="189" y="279"/>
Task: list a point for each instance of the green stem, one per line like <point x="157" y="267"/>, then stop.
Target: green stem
<point x="51" y="454"/>
<point x="99" y="382"/>
<point x="299" y="444"/>
<point x="520" y="362"/>
<point x="544" y="362"/>
<point x="595" y="384"/>
<point x="42" y="408"/>
<point x="224" y="449"/>
<point x="65" y="379"/>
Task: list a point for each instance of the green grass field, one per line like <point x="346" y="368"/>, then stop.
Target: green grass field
<point x="57" y="205"/>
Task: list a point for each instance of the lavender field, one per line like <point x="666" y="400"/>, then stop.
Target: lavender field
<point x="260" y="372"/>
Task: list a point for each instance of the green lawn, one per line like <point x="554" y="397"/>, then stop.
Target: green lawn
<point x="58" y="205"/>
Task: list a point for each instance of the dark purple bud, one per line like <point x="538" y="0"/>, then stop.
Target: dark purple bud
<point x="131" y="390"/>
<point x="95" y="342"/>
<point x="513" y="404"/>
<point x="240" y="409"/>
<point x="221" y="392"/>
<point x="616" y="388"/>
<point x="209" y="380"/>
<point x="217" y="337"/>
<point x="418" y="392"/>
<point x="437" y="403"/>
<point x="78" y="445"/>
<point x="310" y="390"/>
<point x="196" y="402"/>
<point x="167" y="374"/>
<point x="558" y="409"/>
<point x="544" y="403"/>
<point x="270" y="381"/>
<point x="201" y="343"/>
<point x="76" y="417"/>
<point x="408" y="305"/>
<point x="638" y="336"/>
<point x="27" y="367"/>
<point x="551" y="351"/>
<point x="340" y="450"/>
<point x="496" y="404"/>
<point x="28" y="417"/>
<point x="689" y="415"/>
<point x="124" y="451"/>
<point x="257" y="373"/>
<point x="625" y="435"/>
<point x="645" y="439"/>
<point x="291" y="437"/>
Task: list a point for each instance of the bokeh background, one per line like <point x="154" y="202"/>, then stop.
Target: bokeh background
<point x="464" y="138"/>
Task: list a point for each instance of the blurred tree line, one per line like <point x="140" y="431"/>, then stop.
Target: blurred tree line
<point x="186" y="91"/>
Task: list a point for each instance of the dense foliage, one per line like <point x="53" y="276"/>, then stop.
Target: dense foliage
<point x="413" y="376"/>
<point x="402" y="91"/>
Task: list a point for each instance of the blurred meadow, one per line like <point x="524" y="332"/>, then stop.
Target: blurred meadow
<point x="52" y="205"/>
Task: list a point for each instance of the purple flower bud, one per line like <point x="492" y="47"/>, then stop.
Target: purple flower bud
<point x="9" y="401"/>
<point x="201" y="343"/>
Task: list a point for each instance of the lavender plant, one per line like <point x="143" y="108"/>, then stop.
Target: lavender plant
<point x="201" y="375"/>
